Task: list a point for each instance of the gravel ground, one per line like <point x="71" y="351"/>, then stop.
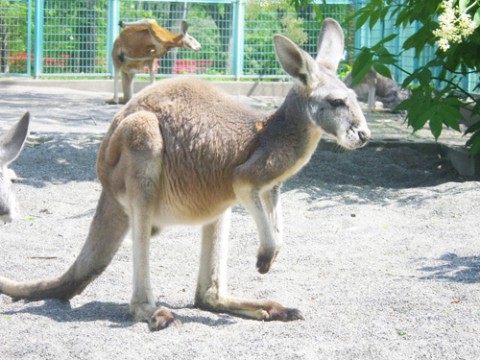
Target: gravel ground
<point x="381" y="255"/>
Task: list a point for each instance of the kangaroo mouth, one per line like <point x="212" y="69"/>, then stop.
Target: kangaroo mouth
<point x="354" y="138"/>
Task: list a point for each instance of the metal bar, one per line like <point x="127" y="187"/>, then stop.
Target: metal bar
<point x="29" y="38"/>
<point x="38" y="39"/>
<point x="112" y="30"/>
<point x="238" y="37"/>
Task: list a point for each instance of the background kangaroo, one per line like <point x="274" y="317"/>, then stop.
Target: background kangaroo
<point x="11" y="145"/>
<point x="138" y="46"/>
<point x="376" y="86"/>
<point x="183" y="152"/>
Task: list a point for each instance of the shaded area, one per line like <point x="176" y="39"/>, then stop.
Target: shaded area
<point x="52" y="158"/>
<point x="117" y="313"/>
<point x="72" y="157"/>
<point x="462" y="269"/>
<point x="373" y="173"/>
<point x="56" y="108"/>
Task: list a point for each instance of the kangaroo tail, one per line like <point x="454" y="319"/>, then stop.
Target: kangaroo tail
<point x="107" y="230"/>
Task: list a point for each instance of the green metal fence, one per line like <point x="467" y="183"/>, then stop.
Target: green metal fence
<point x="74" y="38"/>
<point x="49" y="38"/>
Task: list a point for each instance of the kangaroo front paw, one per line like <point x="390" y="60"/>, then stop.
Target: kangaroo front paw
<point x="161" y="319"/>
<point x="265" y="261"/>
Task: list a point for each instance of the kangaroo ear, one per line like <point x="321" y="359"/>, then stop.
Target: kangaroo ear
<point x="296" y="62"/>
<point x="184" y="27"/>
<point x="330" y="44"/>
<point x="11" y="144"/>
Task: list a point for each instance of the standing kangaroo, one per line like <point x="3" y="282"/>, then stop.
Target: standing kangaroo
<point x="183" y="152"/>
<point x="139" y="45"/>
<point x="11" y="145"/>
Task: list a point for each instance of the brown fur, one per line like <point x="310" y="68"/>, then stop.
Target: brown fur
<point x="183" y="152"/>
<point x="137" y="46"/>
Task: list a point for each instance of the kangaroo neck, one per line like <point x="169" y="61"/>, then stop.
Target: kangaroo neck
<point x="290" y="138"/>
<point x="291" y="121"/>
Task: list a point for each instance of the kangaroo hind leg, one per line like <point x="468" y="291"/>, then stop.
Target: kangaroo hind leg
<point x="142" y="147"/>
<point x="142" y="304"/>
<point x="211" y="293"/>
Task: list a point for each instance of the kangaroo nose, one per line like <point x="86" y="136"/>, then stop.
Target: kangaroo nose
<point x="363" y="136"/>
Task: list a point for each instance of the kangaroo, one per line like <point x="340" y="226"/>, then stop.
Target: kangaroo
<point x="11" y="145"/>
<point x="374" y="85"/>
<point x="183" y="152"/>
<point x="138" y="46"/>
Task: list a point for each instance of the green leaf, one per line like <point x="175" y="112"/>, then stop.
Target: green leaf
<point x="386" y="39"/>
<point x="425" y="77"/>
<point x="473" y="143"/>
<point x="476" y="17"/>
<point x="473" y="128"/>
<point x="435" y="125"/>
<point x="382" y="70"/>
<point x="362" y="19"/>
<point x="463" y="4"/>
<point x="361" y="66"/>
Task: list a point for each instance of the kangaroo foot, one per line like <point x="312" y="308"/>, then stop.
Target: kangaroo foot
<point x="115" y="102"/>
<point x="161" y="319"/>
<point x="157" y="318"/>
<point x="265" y="310"/>
<point x="281" y="313"/>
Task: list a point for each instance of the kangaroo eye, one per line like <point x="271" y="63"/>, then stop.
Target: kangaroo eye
<point x="336" y="102"/>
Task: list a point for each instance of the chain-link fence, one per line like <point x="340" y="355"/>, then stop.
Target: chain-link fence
<point x="48" y="38"/>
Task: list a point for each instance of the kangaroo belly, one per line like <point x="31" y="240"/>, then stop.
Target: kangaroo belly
<point x="193" y="197"/>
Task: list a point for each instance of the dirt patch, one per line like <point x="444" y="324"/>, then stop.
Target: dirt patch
<point x="381" y="255"/>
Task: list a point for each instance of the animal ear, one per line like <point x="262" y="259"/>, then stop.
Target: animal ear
<point x="11" y="143"/>
<point x="330" y="44"/>
<point x="296" y="62"/>
<point x="184" y="27"/>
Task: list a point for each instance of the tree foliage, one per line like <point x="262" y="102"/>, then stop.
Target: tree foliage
<point x="438" y="88"/>
<point x="439" y="94"/>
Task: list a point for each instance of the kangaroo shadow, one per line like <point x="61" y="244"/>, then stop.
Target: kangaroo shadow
<point x="454" y="268"/>
<point x="116" y="313"/>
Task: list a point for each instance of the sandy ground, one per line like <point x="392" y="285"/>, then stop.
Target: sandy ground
<point x="381" y="255"/>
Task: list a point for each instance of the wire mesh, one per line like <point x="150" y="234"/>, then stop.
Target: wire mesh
<point x="209" y="24"/>
<point x="74" y="37"/>
<point x="15" y="56"/>
<point x="73" y="34"/>
<point x="263" y="20"/>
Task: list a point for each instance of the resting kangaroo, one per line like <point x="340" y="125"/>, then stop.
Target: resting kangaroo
<point x="11" y="145"/>
<point x="183" y="152"/>
<point x="138" y="46"/>
<point x="375" y="85"/>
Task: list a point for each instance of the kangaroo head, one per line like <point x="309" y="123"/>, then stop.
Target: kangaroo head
<point x="11" y="144"/>
<point x="189" y="42"/>
<point x="327" y="101"/>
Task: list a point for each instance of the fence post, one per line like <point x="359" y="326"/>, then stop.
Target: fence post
<point x="112" y="30"/>
<point x="38" y="39"/>
<point x="29" y="38"/>
<point x="238" y="37"/>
